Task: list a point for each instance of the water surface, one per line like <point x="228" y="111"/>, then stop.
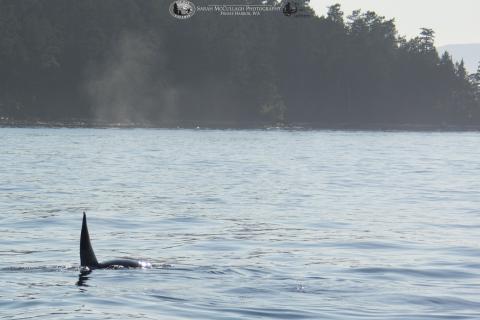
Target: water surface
<point x="241" y="224"/>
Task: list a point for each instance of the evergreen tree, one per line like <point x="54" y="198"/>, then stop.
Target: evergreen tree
<point x="427" y="40"/>
<point x="461" y="71"/>
<point x="335" y="14"/>
<point x="477" y="74"/>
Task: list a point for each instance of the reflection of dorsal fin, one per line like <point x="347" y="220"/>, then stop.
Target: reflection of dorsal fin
<point x="87" y="256"/>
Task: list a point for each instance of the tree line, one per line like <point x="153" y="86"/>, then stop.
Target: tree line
<point x="131" y="61"/>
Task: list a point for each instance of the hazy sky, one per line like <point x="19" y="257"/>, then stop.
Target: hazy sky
<point x="453" y="21"/>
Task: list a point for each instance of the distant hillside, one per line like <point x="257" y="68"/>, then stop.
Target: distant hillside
<point x="470" y="53"/>
<point x="132" y="62"/>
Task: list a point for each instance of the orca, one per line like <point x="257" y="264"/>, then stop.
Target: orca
<point x="88" y="260"/>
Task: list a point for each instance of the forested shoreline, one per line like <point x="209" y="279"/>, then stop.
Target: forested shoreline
<point x="89" y="62"/>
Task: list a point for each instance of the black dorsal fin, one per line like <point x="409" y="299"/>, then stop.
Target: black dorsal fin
<point x="87" y="256"/>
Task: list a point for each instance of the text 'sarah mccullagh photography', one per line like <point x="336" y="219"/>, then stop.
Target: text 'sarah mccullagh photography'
<point x="183" y="9"/>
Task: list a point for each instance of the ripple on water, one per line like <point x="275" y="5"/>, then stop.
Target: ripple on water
<point x="419" y="273"/>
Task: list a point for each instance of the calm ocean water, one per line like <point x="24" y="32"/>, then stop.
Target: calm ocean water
<point x="241" y="224"/>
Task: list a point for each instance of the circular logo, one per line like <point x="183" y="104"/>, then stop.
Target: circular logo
<point x="289" y="9"/>
<point x="182" y="9"/>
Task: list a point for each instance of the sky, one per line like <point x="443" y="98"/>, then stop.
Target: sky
<point x="454" y="21"/>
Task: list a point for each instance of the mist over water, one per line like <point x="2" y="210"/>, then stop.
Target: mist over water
<point x="127" y="87"/>
<point x="241" y="224"/>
